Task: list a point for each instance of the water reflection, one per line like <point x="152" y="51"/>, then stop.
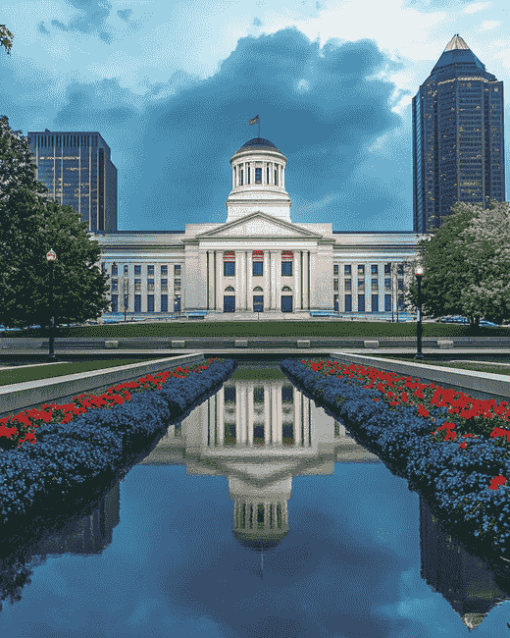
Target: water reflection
<point x="463" y="579"/>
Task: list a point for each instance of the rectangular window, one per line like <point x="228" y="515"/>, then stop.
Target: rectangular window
<point x="347" y="270"/>
<point x="126" y="270"/>
<point x="401" y="303"/>
<point x="177" y="303"/>
<point x="286" y="268"/>
<point x="115" y="303"/>
<point x="115" y="270"/>
<point x="400" y="269"/>
<point x="177" y="271"/>
<point x="401" y="284"/>
<point x="375" y="303"/>
<point x="150" y="271"/>
<point x="138" y="285"/>
<point x="138" y="303"/>
<point x="348" y="284"/>
<point x="164" y="303"/>
<point x="387" y="303"/>
<point x="164" y="271"/>
<point x="150" y="285"/>
<point x="361" y="285"/>
<point x="387" y="268"/>
<point x="387" y="283"/>
<point x="335" y="303"/>
<point x="150" y="303"/>
<point x="242" y="177"/>
<point x="361" y="269"/>
<point x="126" y="303"/>
<point x="177" y="284"/>
<point x="258" y="268"/>
<point x="348" y="303"/>
<point x="115" y="284"/>
<point x="375" y="284"/>
<point x="275" y="177"/>
<point x="375" y="269"/>
<point x="258" y="176"/>
<point x="361" y="303"/>
<point x="164" y="284"/>
<point x="335" y="284"/>
<point x="138" y="270"/>
<point x="229" y="268"/>
<point x="335" y="269"/>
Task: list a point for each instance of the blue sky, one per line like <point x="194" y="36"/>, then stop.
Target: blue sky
<point x="171" y="87"/>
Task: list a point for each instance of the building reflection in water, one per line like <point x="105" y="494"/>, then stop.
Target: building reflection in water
<point x="464" y="580"/>
<point x="259" y="434"/>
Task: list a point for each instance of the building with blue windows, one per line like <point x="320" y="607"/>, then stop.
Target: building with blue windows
<point x="258" y="260"/>
<point x="77" y="170"/>
<point x="458" y="142"/>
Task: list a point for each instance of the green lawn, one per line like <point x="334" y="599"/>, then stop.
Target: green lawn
<point x="22" y="374"/>
<point x="267" y="329"/>
<point x="477" y="367"/>
<point x="258" y="375"/>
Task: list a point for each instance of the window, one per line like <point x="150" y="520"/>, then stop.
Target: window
<point x="375" y="269"/>
<point x="164" y="284"/>
<point x="348" y="303"/>
<point x="138" y="285"/>
<point x="347" y="270"/>
<point x="275" y="177"/>
<point x="115" y="284"/>
<point x="126" y="270"/>
<point x="164" y="271"/>
<point x="361" y="303"/>
<point x="138" y="270"/>
<point x="138" y="303"/>
<point x="361" y="269"/>
<point x="229" y="268"/>
<point x="150" y="303"/>
<point x="115" y="303"/>
<point x="150" y="271"/>
<point x="401" y="284"/>
<point x="115" y="270"/>
<point x="387" y="283"/>
<point x="375" y="284"/>
<point x="286" y="268"/>
<point x="375" y="303"/>
<point x="387" y="268"/>
<point x="150" y="285"/>
<point x="361" y="285"/>
<point x="164" y="303"/>
<point x="387" y="303"/>
<point x="242" y="177"/>
<point x="335" y="284"/>
<point x="229" y="289"/>
<point x="348" y="284"/>
<point x="258" y="268"/>
<point x="335" y="269"/>
<point x="267" y="175"/>
<point x="177" y="271"/>
<point x="257" y="289"/>
<point x="400" y="269"/>
<point x="177" y="303"/>
<point x="258" y="176"/>
<point x="286" y="289"/>
<point x="177" y="284"/>
<point x="126" y="302"/>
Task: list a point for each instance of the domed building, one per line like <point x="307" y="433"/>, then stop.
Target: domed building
<point x="258" y="260"/>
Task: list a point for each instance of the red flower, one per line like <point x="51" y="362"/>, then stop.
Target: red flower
<point x="496" y="482"/>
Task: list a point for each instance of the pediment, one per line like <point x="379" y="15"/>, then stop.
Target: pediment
<point x="258" y="224"/>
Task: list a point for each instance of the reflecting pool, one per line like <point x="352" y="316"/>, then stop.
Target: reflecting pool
<point x="258" y="515"/>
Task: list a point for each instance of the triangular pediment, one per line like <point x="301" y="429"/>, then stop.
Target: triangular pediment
<point x="258" y="224"/>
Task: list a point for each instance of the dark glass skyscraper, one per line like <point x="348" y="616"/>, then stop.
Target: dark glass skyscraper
<point x="458" y="145"/>
<point x="77" y="170"/>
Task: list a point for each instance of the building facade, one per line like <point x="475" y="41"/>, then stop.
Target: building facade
<point x="458" y="142"/>
<point x="258" y="260"/>
<point x="77" y="170"/>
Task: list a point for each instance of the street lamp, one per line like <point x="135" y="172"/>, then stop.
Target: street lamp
<point x="419" y="274"/>
<point x="51" y="256"/>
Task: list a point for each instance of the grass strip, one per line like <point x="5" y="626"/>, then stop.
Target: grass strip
<point x="456" y="366"/>
<point x="21" y="375"/>
<point x="267" y="329"/>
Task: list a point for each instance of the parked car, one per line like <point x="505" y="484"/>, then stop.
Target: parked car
<point x="488" y="324"/>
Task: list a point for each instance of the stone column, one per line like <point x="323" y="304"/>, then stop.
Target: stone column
<point x="283" y="176"/>
<point x="267" y="280"/>
<point x="278" y="283"/>
<point x="219" y="280"/>
<point x="306" y="421"/>
<point x="233" y="177"/>
<point x="249" y="286"/>
<point x="274" y="415"/>
<point x="297" y="416"/>
<point x="210" y="279"/>
<point x="240" y="280"/>
<point x="250" y="413"/>
<point x="240" y="435"/>
<point x="264" y="173"/>
<point x="273" y="280"/>
<point x="297" y="287"/>
<point x="279" y="414"/>
<point x="314" y="302"/>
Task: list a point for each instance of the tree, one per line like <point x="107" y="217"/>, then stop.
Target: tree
<point x="465" y="263"/>
<point x="31" y="224"/>
<point x="6" y="38"/>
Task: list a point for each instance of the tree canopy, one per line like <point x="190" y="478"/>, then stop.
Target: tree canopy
<point x="30" y="225"/>
<point x="6" y="38"/>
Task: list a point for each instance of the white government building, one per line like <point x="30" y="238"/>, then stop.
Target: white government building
<point x="258" y="260"/>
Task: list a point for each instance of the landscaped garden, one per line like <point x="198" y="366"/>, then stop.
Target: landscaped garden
<point x="452" y="448"/>
<point x="47" y="453"/>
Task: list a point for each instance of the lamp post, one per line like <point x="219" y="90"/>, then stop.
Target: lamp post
<point x="419" y="274"/>
<point x="51" y="256"/>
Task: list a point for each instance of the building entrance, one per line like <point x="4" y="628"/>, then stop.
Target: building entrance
<point x="258" y="303"/>
<point x="286" y="303"/>
<point x="229" y="303"/>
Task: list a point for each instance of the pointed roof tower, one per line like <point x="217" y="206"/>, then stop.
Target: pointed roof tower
<point x="457" y="52"/>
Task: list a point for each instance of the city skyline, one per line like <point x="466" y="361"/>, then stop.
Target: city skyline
<point x="332" y="85"/>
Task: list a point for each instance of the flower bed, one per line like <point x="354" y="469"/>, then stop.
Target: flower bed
<point x="453" y="448"/>
<point x="60" y="447"/>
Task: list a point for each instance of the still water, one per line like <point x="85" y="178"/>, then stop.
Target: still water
<point x="259" y="516"/>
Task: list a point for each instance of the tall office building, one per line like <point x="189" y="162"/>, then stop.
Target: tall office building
<point x="458" y="145"/>
<point x="77" y="170"/>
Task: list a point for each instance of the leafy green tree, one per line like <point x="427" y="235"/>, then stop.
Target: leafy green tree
<point x="6" y="38"/>
<point x="30" y="225"/>
<point x="465" y="262"/>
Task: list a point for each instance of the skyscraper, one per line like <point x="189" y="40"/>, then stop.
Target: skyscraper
<point x="77" y="170"/>
<point x="458" y="145"/>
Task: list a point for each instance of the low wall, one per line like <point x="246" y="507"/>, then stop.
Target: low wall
<point x="480" y="385"/>
<point x="18" y="396"/>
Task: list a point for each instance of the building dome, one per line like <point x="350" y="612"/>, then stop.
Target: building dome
<point x="259" y="142"/>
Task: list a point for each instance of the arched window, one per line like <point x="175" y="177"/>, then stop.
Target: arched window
<point x="229" y="289"/>
<point x="257" y="289"/>
<point x="286" y="289"/>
